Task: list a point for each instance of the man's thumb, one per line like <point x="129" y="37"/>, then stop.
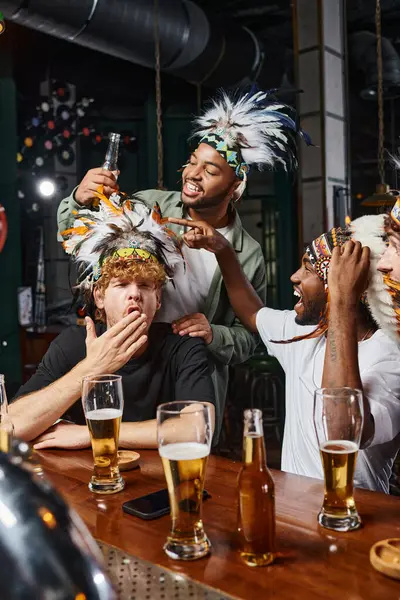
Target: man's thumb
<point x="90" y="329"/>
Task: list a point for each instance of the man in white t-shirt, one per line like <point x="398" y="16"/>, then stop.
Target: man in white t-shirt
<point x="366" y="358"/>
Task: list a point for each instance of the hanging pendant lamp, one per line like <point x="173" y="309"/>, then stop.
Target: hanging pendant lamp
<point x="382" y="197"/>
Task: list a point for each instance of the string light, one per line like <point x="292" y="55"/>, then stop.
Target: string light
<point x="64" y="112"/>
<point x="66" y="155"/>
<point x="61" y="91"/>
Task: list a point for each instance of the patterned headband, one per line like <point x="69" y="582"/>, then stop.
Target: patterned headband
<point x="129" y="253"/>
<point x="395" y="214"/>
<point x="320" y="250"/>
<point x="232" y="157"/>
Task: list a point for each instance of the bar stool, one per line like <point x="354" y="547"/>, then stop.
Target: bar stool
<point x="267" y="395"/>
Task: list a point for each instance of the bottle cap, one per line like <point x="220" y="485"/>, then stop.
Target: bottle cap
<point x="114" y="137"/>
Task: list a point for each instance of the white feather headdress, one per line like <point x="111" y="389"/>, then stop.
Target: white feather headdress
<point x="370" y="231"/>
<point x="128" y="231"/>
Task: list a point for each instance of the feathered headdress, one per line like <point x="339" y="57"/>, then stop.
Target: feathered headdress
<point x="370" y="231"/>
<point x="251" y="130"/>
<point x="127" y="230"/>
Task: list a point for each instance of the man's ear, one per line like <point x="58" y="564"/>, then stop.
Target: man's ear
<point x="98" y="298"/>
<point x="237" y="189"/>
<point x="158" y="295"/>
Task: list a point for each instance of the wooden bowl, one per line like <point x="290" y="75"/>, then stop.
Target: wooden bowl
<point x="127" y="460"/>
<point x="385" y="557"/>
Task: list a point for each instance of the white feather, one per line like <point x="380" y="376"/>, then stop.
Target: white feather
<point x="369" y="230"/>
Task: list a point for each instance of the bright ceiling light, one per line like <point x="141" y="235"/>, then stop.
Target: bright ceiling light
<point x="46" y="188"/>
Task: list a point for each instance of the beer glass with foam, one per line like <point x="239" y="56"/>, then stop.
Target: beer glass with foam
<point x="338" y="421"/>
<point x="103" y="403"/>
<point x="184" y="438"/>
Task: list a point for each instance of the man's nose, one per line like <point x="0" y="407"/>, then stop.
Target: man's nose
<point x="134" y="292"/>
<point x="295" y="278"/>
<point x="384" y="265"/>
<point x="194" y="172"/>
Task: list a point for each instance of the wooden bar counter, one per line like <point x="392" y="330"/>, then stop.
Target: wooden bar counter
<point x="313" y="563"/>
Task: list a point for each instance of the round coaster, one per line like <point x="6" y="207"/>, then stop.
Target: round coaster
<point x="127" y="460"/>
<point x="385" y="557"/>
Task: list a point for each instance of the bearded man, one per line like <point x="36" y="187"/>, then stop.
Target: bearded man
<point x="345" y="349"/>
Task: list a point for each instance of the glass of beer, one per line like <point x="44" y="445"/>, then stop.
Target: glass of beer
<point x="338" y="422"/>
<point x="184" y="438"/>
<point x="103" y="403"/>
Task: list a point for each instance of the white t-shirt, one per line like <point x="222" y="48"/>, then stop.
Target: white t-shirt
<point x="194" y="283"/>
<point x="303" y="362"/>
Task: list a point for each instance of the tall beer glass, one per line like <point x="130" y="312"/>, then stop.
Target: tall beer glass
<point x="103" y="403"/>
<point x="184" y="439"/>
<point x="338" y="421"/>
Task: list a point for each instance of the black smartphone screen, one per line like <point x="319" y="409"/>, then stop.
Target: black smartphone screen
<point x="152" y="505"/>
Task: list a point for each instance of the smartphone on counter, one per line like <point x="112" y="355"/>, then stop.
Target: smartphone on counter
<point x="152" y="505"/>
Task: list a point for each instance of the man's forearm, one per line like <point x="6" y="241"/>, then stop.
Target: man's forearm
<point x="188" y="426"/>
<point x="242" y="296"/>
<point x="341" y="355"/>
<point x="139" y="435"/>
<point x="341" y="368"/>
<point x="36" y="412"/>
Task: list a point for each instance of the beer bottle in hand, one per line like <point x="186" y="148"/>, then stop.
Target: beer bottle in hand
<point x="6" y="426"/>
<point x="256" y="490"/>
<point x="111" y="159"/>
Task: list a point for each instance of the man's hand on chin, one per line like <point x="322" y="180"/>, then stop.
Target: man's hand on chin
<point x="64" y="435"/>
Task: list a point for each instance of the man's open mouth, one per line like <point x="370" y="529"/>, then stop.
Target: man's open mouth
<point x="298" y="294"/>
<point x="191" y="189"/>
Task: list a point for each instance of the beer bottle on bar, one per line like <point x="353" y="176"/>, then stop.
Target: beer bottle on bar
<point x="256" y="490"/>
<point x="111" y="159"/>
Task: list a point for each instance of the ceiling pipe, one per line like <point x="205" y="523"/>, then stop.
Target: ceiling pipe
<point x="192" y="46"/>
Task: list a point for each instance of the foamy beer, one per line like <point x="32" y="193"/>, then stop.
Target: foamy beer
<point x="338" y="420"/>
<point x="184" y="436"/>
<point x="102" y="399"/>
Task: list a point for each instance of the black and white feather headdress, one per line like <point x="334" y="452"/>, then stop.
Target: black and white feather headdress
<point x="254" y="129"/>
